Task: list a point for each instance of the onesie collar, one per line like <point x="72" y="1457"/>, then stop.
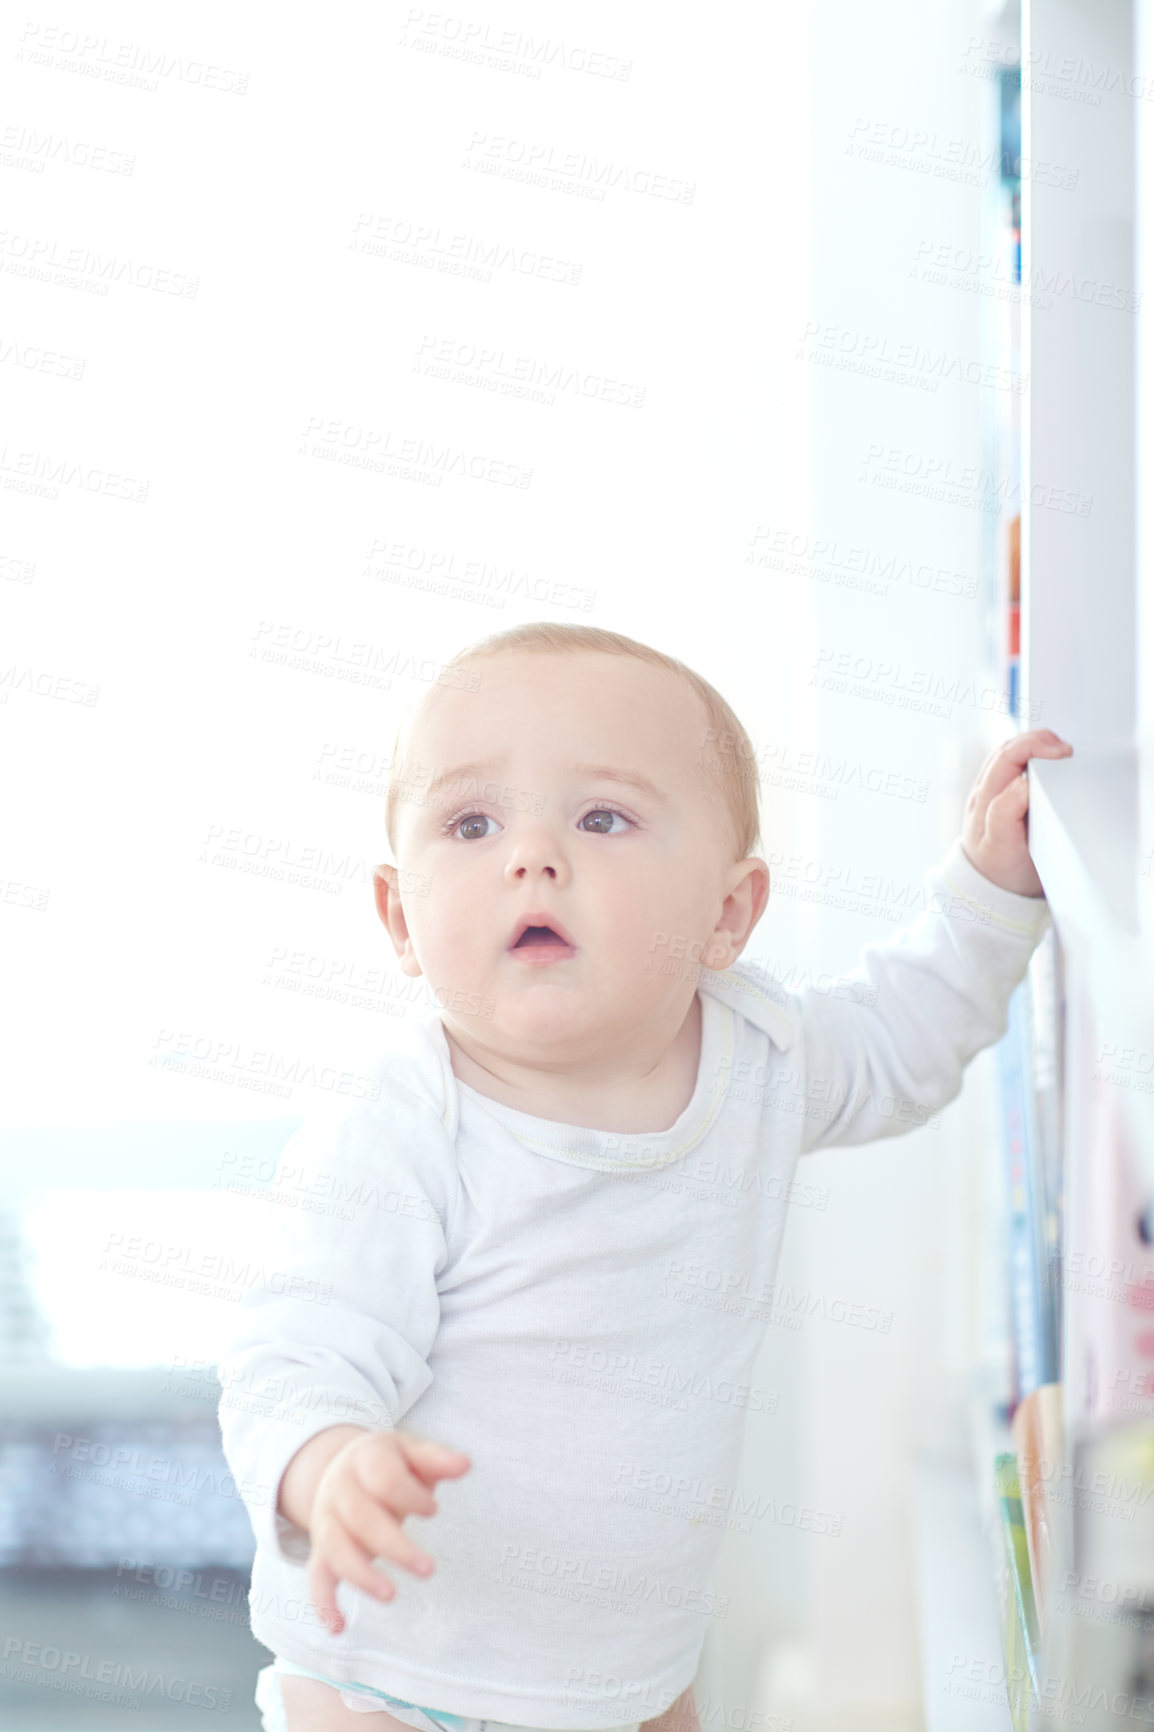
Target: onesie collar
<point x="724" y="996"/>
<point x="747" y="989"/>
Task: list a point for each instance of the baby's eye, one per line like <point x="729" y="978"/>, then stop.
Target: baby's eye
<point x="464" y="824"/>
<point x="604" y="812"/>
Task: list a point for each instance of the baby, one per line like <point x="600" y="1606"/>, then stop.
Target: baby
<point x="546" y="1239"/>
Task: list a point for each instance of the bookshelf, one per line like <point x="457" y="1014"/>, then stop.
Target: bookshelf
<point x="1063" y="1422"/>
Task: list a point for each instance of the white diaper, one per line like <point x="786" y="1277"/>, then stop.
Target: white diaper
<point x="364" y="1699"/>
<point x="271" y="1704"/>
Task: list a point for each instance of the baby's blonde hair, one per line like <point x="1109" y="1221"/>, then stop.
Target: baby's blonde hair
<point x="727" y="747"/>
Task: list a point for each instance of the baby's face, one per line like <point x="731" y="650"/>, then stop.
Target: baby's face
<point x="520" y="801"/>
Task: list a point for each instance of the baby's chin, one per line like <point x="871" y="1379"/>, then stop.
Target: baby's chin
<point x="552" y="1006"/>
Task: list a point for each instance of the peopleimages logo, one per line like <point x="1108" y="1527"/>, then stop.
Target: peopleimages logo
<point x="548" y="1572"/>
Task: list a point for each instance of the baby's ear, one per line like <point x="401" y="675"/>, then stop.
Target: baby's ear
<point x="385" y="890"/>
<point x="387" y="895"/>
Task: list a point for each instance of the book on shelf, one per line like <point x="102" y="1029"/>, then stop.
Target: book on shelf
<point x="1009" y="354"/>
<point x="1032" y="1481"/>
<point x="1033" y="1295"/>
<point x="1047" y="1010"/>
<point x="1021" y="1640"/>
<point x="1039" y="1448"/>
<point x="1098" y="1607"/>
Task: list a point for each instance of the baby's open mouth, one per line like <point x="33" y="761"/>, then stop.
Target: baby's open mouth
<point x="541" y="942"/>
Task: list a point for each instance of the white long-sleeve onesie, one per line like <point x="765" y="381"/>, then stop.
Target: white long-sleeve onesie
<point x="579" y="1311"/>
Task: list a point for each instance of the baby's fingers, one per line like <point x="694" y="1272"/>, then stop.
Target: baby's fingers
<point x="379" y="1531"/>
<point x="1014" y="754"/>
<point x="333" y="1557"/>
<point x="386" y="1476"/>
<point x="1006" y="810"/>
<point x="431" y="1461"/>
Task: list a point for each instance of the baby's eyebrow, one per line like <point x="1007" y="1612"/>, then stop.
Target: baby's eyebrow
<point x="463" y="773"/>
<point x="630" y="778"/>
<point x="601" y="772"/>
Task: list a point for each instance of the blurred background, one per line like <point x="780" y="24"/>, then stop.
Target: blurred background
<point x="268" y="286"/>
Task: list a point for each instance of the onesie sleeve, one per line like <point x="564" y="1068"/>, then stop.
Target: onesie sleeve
<point x="337" y="1327"/>
<point x="885" y="1055"/>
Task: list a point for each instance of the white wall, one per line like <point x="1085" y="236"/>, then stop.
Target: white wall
<point x="167" y="604"/>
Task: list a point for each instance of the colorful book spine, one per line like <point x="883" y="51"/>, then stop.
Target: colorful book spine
<point x="1040" y="1448"/>
<point x="1033" y="1311"/>
<point x="1021" y="1641"/>
<point x="1047" y="1044"/>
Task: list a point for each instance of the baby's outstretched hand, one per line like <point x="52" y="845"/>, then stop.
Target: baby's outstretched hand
<point x="362" y="1497"/>
<point x="994" y="829"/>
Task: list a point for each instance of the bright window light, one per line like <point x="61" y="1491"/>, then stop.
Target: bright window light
<point x="139" y="1277"/>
